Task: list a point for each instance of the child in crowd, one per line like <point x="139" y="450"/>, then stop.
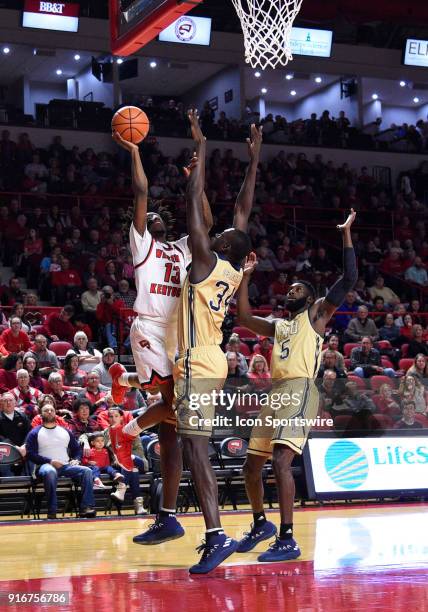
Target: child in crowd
<point x="98" y="459"/>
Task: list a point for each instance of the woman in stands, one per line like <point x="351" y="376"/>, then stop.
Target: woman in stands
<point x="234" y="345"/>
<point x="259" y="374"/>
<point x="111" y="277"/>
<point x="419" y="369"/>
<point x="406" y="330"/>
<point x="88" y="357"/>
<point x="412" y="390"/>
<point x="387" y="402"/>
<point x="10" y="365"/>
<point x="30" y="364"/>
<point x="73" y="377"/>
<point x="18" y="311"/>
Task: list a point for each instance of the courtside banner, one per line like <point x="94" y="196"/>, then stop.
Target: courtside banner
<point x="352" y="465"/>
<point x="51" y="15"/>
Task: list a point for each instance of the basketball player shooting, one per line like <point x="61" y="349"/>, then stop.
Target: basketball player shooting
<point x="201" y="369"/>
<point x="295" y="362"/>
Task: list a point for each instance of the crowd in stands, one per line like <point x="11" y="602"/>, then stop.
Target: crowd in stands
<point x="76" y="258"/>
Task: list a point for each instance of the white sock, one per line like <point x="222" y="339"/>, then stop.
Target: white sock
<point x="123" y="379"/>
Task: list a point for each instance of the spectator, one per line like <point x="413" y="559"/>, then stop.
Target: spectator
<point x="88" y="357"/>
<point x="13" y="293"/>
<point x="58" y="325"/>
<point x="91" y="298"/>
<point x="386" y="293"/>
<point x="122" y="444"/>
<point x="418" y="343"/>
<point x="235" y="379"/>
<point x="406" y="331"/>
<point x="319" y="286"/>
<point x="408" y="421"/>
<point x="82" y="423"/>
<point x="412" y="390"/>
<point x="259" y="374"/>
<point x="46" y="359"/>
<point x="329" y="362"/>
<point x="108" y="312"/>
<point x="66" y="283"/>
<point x="98" y="460"/>
<point x="417" y="273"/>
<point x="57" y="453"/>
<point x="234" y="345"/>
<point x="419" y="369"/>
<point x="72" y="376"/>
<point x="14" y="340"/>
<point x="264" y="263"/>
<point x="264" y="347"/>
<point x="387" y="402"/>
<point x="14" y="427"/>
<point x="102" y="369"/>
<point x="322" y="263"/>
<point x="356" y="402"/>
<point x="93" y="391"/>
<point x="349" y="305"/>
<point x="125" y="294"/>
<point x="26" y="397"/>
<point x="330" y="392"/>
<point x="11" y="364"/>
<point x="30" y="364"/>
<point x="389" y="331"/>
<point x="361" y="327"/>
<point x="333" y="345"/>
<point x="49" y="399"/>
<point x="279" y="288"/>
<point x="64" y="399"/>
<point x="379" y="311"/>
<point x="399" y="313"/>
<point x="134" y="401"/>
<point x="366" y="361"/>
<point x="17" y="310"/>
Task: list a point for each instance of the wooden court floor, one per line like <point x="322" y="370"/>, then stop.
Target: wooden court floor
<point x="358" y="558"/>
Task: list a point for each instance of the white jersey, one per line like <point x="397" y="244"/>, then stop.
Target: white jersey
<point x="160" y="272"/>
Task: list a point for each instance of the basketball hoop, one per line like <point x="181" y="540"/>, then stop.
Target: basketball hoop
<point x="266" y="25"/>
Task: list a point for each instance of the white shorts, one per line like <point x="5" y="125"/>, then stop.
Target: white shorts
<point x="154" y="365"/>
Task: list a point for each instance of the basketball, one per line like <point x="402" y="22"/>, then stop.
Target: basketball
<point x="131" y="123"/>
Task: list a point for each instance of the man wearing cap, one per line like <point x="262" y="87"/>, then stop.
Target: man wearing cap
<point x="101" y="369"/>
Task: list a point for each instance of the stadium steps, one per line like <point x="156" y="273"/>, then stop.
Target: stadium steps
<point x="6" y="274"/>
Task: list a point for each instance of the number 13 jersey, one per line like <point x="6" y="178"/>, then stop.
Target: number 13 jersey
<point x="160" y="270"/>
<point x="203" y="306"/>
<point x="297" y="349"/>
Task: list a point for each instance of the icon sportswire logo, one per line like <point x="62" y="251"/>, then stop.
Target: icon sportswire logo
<point x="346" y="464"/>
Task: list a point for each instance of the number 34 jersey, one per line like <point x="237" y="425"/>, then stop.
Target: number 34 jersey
<point x="203" y="306"/>
<point x="297" y="349"/>
<point x="160" y="270"/>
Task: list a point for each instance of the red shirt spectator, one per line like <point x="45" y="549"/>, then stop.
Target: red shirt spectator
<point x="264" y="348"/>
<point x="59" y="421"/>
<point x="59" y="327"/>
<point x="7" y="380"/>
<point x="14" y="340"/>
<point x="67" y="277"/>
<point x="108" y="310"/>
<point x="392" y="265"/>
<point x="100" y="456"/>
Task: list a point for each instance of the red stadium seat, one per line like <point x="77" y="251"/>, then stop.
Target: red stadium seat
<point x="244" y="349"/>
<point x="244" y="333"/>
<point x="377" y="381"/>
<point x="405" y="364"/>
<point x="383" y="420"/>
<point x="358" y="381"/>
<point x="383" y="344"/>
<point x="386" y="363"/>
<point x="404" y="350"/>
<point x="348" y="348"/>
<point x="347" y="363"/>
<point x="60" y="348"/>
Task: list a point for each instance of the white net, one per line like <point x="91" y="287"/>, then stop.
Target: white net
<point x="266" y="25"/>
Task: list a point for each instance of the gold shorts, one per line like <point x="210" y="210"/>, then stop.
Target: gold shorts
<point x="291" y="402"/>
<point x="198" y="375"/>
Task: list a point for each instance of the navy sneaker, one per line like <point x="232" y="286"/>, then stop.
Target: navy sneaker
<point x="280" y="550"/>
<point x="213" y="553"/>
<point x="257" y="534"/>
<point x="162" y="530"/>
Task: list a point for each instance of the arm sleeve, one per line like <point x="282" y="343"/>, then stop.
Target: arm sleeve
<point x="346" y="282"/>
<point x="32" y="447"/>
<point x="140" y="244"/>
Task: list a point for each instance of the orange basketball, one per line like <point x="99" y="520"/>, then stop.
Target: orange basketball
<point x="131" y="123"/>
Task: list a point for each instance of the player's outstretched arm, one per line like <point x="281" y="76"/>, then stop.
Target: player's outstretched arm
<point x="203" y="259"/>
<point x="198" y="136"/>
<point x="323" y="309"/>
<point x="244" y="201"/>
<point x="245" y="318"/>
<point x="139" y="183"/>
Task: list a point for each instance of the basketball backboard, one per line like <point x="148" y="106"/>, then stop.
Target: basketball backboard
<point x="134" y="23"/>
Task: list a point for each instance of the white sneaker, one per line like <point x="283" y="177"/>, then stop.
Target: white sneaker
<point x="138" y="506"/>
<point x="119" y="494"/>
<point x="98" y="484"/>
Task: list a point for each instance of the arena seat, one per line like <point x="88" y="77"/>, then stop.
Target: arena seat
<point x="383" y="344"/>
<point x="360" y="382"/>
<point x="386" y="363"/>
<point x="244" y="333"/>
<point x="377" y="381"/>
<point x="244" y="349"/>
<point x="404" y="350"/>
<point x="406" y="363"/>
<point x="348" y="348"/>
<point x="60" y="348"/>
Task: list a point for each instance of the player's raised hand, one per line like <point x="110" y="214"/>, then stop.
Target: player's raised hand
<point x="125" y="144"/>
<point x="190" y="167"/>
<point x="197" y="135"/>
<point x="255" y="141"/>
<point x="349" y="221"/>
<point x="250" y="264"/>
